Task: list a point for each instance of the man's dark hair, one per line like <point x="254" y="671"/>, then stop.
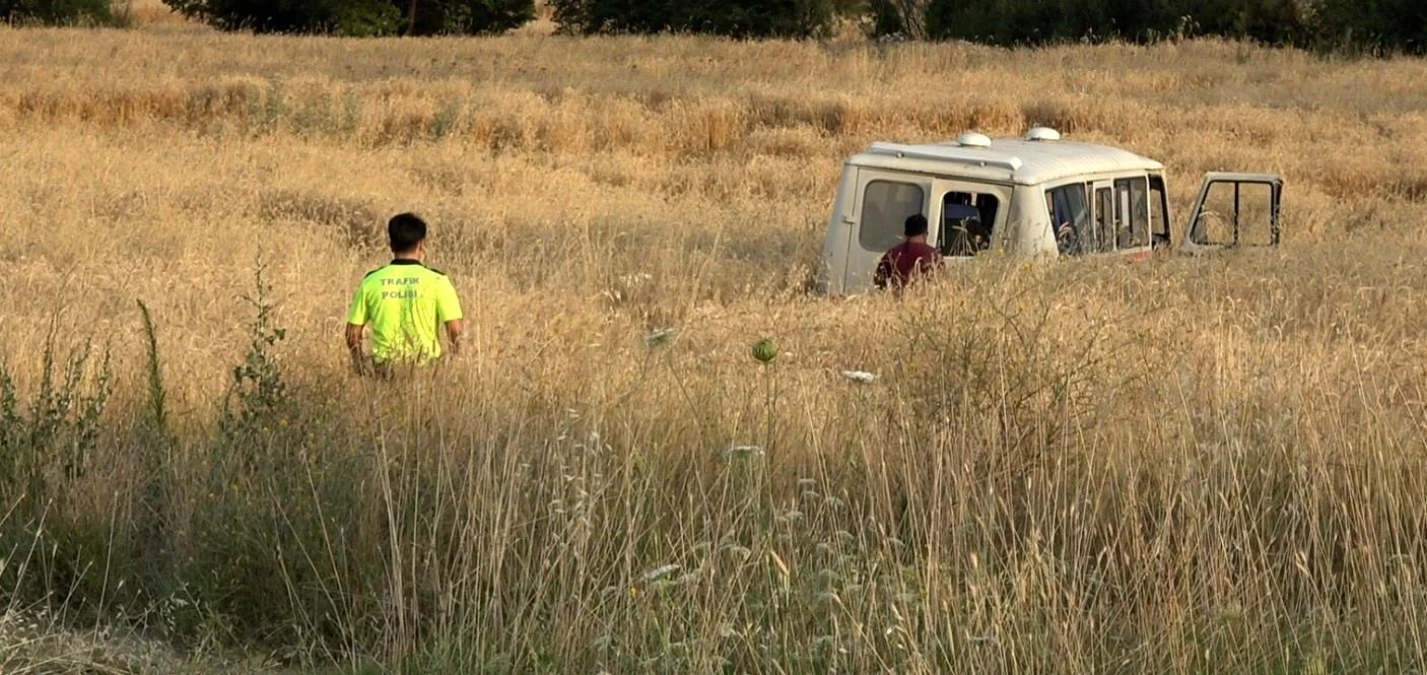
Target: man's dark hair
<point x="916" y="225"/>
<point x="405" y="231"/>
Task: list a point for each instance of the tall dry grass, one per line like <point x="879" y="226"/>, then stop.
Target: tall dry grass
<point x="1184" y="465"/>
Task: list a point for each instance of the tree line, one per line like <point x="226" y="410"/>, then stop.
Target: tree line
<point x="1375" y="26"/>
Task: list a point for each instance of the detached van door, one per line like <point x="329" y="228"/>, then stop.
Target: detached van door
<point x="1233" y="210"/>
<point x="884" y="201"/>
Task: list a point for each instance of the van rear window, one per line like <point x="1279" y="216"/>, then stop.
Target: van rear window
<point x="885" y="208"/>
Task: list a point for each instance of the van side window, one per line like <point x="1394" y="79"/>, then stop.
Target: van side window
<point x="966" y="222"/>
<point x="885" y="208"/>
<point x="1132" y="213"/>
<point x="1070" y="219"/>
<point x="1105" y="219"/>
<point x="1159" y="221"/>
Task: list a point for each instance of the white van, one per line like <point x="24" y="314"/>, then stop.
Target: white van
<point x="1038" y="196"/>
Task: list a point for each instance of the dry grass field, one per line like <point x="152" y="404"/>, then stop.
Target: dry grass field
<point x="1212" y="465"/>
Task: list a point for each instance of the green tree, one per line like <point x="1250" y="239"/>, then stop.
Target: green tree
<point x="62" y="12"/>
<point x="1386" y="25"/>
<point x="906" y="18"/>
<point x="1009" y="22"/>
<point x="733" y="18"/>
<point x="361" y="17"/>
<point x="467" y="17"/>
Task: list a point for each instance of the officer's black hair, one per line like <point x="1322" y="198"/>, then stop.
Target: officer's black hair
<point x="405" y="231"/>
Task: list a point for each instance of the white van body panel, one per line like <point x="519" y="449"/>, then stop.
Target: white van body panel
<point x="1016" y="173"/>
<point x="1014" y="196"/>
<point x="1014" y="161"/>
<point x="1029" y="231"/>
<point x="840" y="231"/>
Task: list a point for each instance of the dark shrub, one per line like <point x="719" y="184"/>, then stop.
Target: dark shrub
<point x="62" y="12"/>
<point x="1347" y="25"/>
<point x="733" y="18"/>
<point x="471" y="17"/>
<point x="1374" y="25"/>
<point x="361" y="17"/>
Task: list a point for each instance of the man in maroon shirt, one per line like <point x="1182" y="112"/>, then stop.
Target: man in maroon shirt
<point x="912" y="258"/>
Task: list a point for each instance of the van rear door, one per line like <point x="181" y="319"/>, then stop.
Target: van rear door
<point x="884" y="201"/>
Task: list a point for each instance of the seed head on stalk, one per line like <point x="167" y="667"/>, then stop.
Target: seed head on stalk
<point x="765" y="350"/>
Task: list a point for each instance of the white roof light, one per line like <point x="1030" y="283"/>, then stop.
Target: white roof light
<point x="1042" y="134"/>
<point x="971" y="139"/>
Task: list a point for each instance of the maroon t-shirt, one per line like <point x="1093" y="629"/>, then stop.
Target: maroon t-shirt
<point x="904" y="261"/>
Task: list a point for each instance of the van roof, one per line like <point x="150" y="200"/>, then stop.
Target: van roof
<point x="1023" y="162"/>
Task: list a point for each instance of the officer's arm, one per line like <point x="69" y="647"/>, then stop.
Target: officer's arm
<point x="455" y="330"/>
<point x="357" y="319"/>
<point x="354" y="345"/>
<point x="354" y="337"/>
<point x="448" y="311"/>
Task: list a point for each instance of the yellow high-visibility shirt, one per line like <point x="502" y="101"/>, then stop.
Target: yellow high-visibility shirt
<point x="406" y="304"/>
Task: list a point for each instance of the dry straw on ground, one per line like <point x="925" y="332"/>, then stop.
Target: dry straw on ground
<point x="1174" y="466"/>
